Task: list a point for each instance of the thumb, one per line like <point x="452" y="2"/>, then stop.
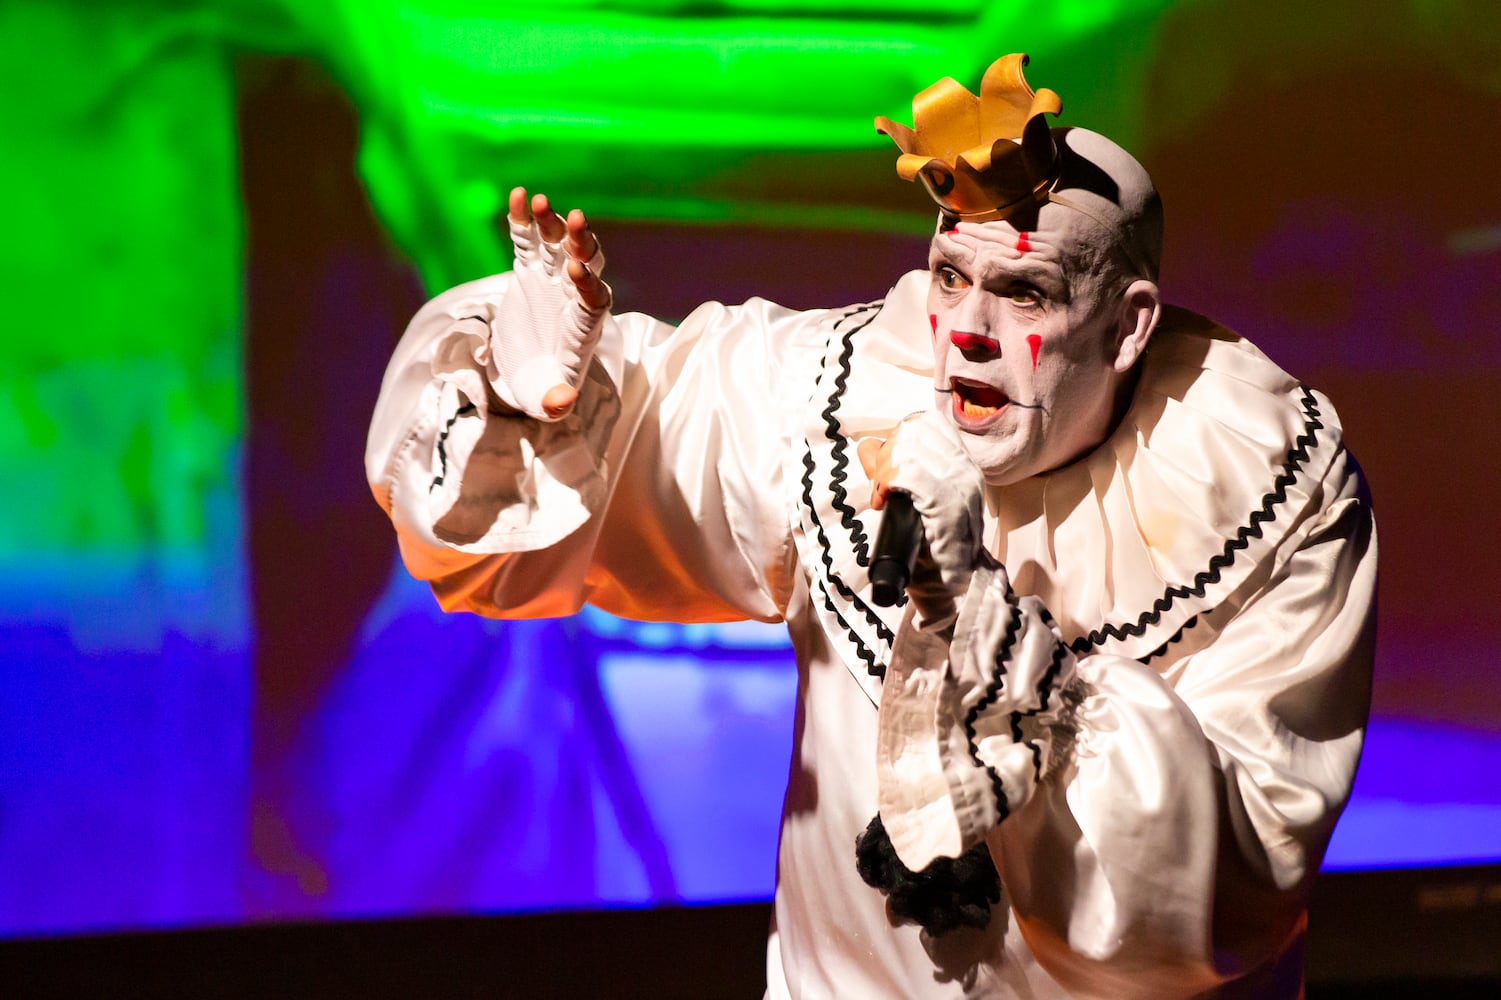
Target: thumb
<point x="541" y="381"/>
<point x="557" y="401"/>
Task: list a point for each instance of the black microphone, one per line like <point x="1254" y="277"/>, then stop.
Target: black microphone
<point x="897" y="542"/>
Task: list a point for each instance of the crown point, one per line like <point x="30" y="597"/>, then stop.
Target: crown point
<point x="979" y="156"/>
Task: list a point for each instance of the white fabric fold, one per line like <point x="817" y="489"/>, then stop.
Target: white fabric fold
<point x="966" y="727"/>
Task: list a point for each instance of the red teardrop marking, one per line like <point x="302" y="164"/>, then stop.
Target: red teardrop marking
<point x="1022" y="243"/>
<point x="1035" y="343"/>
<point x="933" y="319"/>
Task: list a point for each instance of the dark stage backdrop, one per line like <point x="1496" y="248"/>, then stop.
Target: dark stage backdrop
<point x="221" y="698"/>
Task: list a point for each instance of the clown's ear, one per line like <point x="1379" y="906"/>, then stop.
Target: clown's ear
<point x="1140" y="309"/>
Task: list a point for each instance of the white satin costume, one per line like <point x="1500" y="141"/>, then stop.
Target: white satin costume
<point x="1203" y="583"/>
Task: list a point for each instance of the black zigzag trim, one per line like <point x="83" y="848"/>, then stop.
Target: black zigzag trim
<point x="1176" y="637"/>
<point x="462" y="411"/>
<point x="841" y="443"/>
<point x="992" y="692"/>
<point x="1296" y="456"/>
<point x="874" y="667"/>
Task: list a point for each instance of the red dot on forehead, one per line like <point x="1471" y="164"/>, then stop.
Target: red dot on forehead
<point x="1022" y="243"/>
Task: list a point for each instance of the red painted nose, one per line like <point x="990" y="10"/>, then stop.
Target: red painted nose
<point x="974" y="342"/>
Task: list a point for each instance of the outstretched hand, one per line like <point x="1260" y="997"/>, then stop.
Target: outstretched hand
<point x="548" y="248"/>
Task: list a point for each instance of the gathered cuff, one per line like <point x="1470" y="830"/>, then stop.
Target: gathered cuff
<point x="506" y="482"/>
<point x="969" y="726"/>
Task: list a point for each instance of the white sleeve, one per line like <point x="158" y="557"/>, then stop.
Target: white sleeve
<point x="659" y="497"/>
<point x="1166" y="830"/>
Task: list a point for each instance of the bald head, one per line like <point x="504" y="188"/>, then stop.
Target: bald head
<point x="1104" y="182"/>
<point x="1100" y="182"/>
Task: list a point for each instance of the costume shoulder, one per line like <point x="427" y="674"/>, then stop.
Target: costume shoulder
<point x="1220" y="458"/>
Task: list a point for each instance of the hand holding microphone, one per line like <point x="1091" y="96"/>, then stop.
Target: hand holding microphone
<point x="897" y="546"/>
<point x="932" y="498"/>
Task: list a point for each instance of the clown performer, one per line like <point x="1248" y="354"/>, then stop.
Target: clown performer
<point x="1099" y="749"/>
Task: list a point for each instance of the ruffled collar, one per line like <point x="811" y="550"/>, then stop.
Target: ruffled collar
<point x="1213" y="465"/>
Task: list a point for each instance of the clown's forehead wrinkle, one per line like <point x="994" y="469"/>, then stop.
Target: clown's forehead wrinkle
<point x="1038" y="260"/>
<point x="1012" y="242"/>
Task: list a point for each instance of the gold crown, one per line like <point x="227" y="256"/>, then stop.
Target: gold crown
<point x="980" y="157"/>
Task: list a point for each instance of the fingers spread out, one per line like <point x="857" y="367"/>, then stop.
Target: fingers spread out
<point x="540" y="235"/>
<point x="549" y="325"/>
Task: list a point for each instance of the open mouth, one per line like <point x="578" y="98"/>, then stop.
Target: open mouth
<point x="975" y="402"/>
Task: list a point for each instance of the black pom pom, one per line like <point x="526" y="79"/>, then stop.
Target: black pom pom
<point x="949" y="893"/>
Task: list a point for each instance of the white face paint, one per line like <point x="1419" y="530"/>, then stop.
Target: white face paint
<point x="1001" y="297"/>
